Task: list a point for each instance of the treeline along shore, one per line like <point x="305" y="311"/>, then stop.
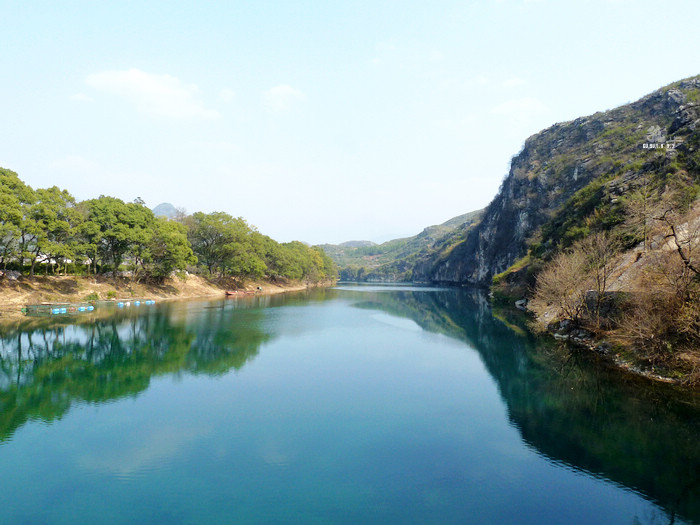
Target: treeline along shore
<point x="46" y="232"/>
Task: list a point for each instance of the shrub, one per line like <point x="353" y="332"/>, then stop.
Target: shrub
<point x="566" y="281"/>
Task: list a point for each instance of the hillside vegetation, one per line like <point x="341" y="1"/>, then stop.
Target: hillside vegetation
<point x="396" y="260"/>
<point x="601" y="156"/>
<point x="598" y="224"/>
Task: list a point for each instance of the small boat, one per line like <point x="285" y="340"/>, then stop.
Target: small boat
<point x="240" y="292"/>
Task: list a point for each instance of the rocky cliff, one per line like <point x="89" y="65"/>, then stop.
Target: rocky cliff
<point x="611" y="149"/>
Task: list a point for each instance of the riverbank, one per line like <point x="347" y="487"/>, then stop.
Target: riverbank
<point x="680" y="366"/>
<point x="15" y="294"/>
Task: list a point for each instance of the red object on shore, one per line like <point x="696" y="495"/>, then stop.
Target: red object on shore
<point x="240" y="292"/>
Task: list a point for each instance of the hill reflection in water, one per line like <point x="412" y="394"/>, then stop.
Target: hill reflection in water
<point x="565" y="405"/>
<point x="569" y="407"/>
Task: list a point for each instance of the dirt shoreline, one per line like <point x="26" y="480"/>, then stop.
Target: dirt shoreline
<point x="16" y="294"/>
<point x="681" y="369"/>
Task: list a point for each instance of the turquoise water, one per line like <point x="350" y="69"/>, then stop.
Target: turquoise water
<point x="359" y="404"/>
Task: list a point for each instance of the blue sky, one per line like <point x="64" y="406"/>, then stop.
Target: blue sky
<point x="318" y="121"/>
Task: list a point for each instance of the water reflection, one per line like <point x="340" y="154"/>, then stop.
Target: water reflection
<point x="569" y="407"/>
<point x="566" y="406"/>
<point x="46" y="367"/>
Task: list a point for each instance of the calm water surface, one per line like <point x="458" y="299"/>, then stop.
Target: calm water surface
<point x="353" y="405"/>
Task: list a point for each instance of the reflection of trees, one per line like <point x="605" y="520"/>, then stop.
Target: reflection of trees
<point x="221" y="344"/>
<point x="640" y="435"/>
<point x="45" y="369"/>
<point x="570" y="408"/>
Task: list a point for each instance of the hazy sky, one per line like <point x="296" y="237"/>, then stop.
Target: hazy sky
<point x="321" y="121"/>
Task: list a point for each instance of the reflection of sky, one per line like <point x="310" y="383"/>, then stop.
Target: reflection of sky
<point x="364" y="287"/>
<point x="398" y="322"/>
<point x="150" y="448"/>
<point x="136" y="436"/>
<point x="347" y="408"/>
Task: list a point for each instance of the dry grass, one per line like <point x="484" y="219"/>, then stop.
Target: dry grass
<point x="15" y="294"/>
<point x="657" y="316"/>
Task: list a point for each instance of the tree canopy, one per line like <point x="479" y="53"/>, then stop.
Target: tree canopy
<point x="48" y="228"/>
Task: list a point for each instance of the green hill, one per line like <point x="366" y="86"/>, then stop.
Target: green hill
<point x="395" y="260"/>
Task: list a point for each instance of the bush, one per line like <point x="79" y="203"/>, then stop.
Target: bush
<point x="566" y="281"/>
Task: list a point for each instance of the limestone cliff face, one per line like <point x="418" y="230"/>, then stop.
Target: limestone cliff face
<point x="555" y="163"/>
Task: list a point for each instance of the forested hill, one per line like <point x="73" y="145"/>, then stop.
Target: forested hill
<point x="574" y="178"/>
<point x="48" y="231"/>
<point x="395" y="260"/>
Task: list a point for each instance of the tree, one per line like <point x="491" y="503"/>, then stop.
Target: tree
<point x="57" y="220"/>
<point x="208" y="236"/>
<point x="168" y="249"/>
<point x="14" y="195"/>
<point x="117" y="228"/>
<point x="298" y="261"/>
<point x="225" y="244"/>
<point x="641" y="206"/>
<point x="90" y="237"/>
<point x="569" y="278"/>
<point x="141" y="222"/>
<point x="30" y="234"/>
<point x="663" y="313"/>
<point x="684" y="234"/>
<point x="328" y="269"/>
<point x="600" y="249"/>
<point x="564" y="283"/>
<point x="47" y="225"/>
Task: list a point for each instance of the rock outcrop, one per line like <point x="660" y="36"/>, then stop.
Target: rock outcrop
<point x="614" y="147"/>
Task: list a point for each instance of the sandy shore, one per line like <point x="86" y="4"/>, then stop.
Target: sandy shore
<point x="16" y="294"/>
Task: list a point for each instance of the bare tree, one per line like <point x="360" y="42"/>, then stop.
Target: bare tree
<point x="641" y="206"/>
<point x="564" y="283"/>
<point x="645" y="324"/>
<point x="664" y="312"/>
<point x="600" y="249"/>
<point x="585" y="268"/>
<point x="684" y="234"/>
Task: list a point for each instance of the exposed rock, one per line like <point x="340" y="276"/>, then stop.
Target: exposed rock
<point x="557" y="162"/>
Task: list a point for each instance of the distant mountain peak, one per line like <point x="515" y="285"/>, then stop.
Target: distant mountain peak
<point x="165" y="209"/>
<point x="357" y="244"/>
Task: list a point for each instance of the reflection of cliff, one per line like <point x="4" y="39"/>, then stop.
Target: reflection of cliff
<point x="44" y="370"/>
<point x="641" y="435"/>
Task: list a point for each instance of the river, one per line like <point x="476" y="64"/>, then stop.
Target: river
<point x="358" y="404"/>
